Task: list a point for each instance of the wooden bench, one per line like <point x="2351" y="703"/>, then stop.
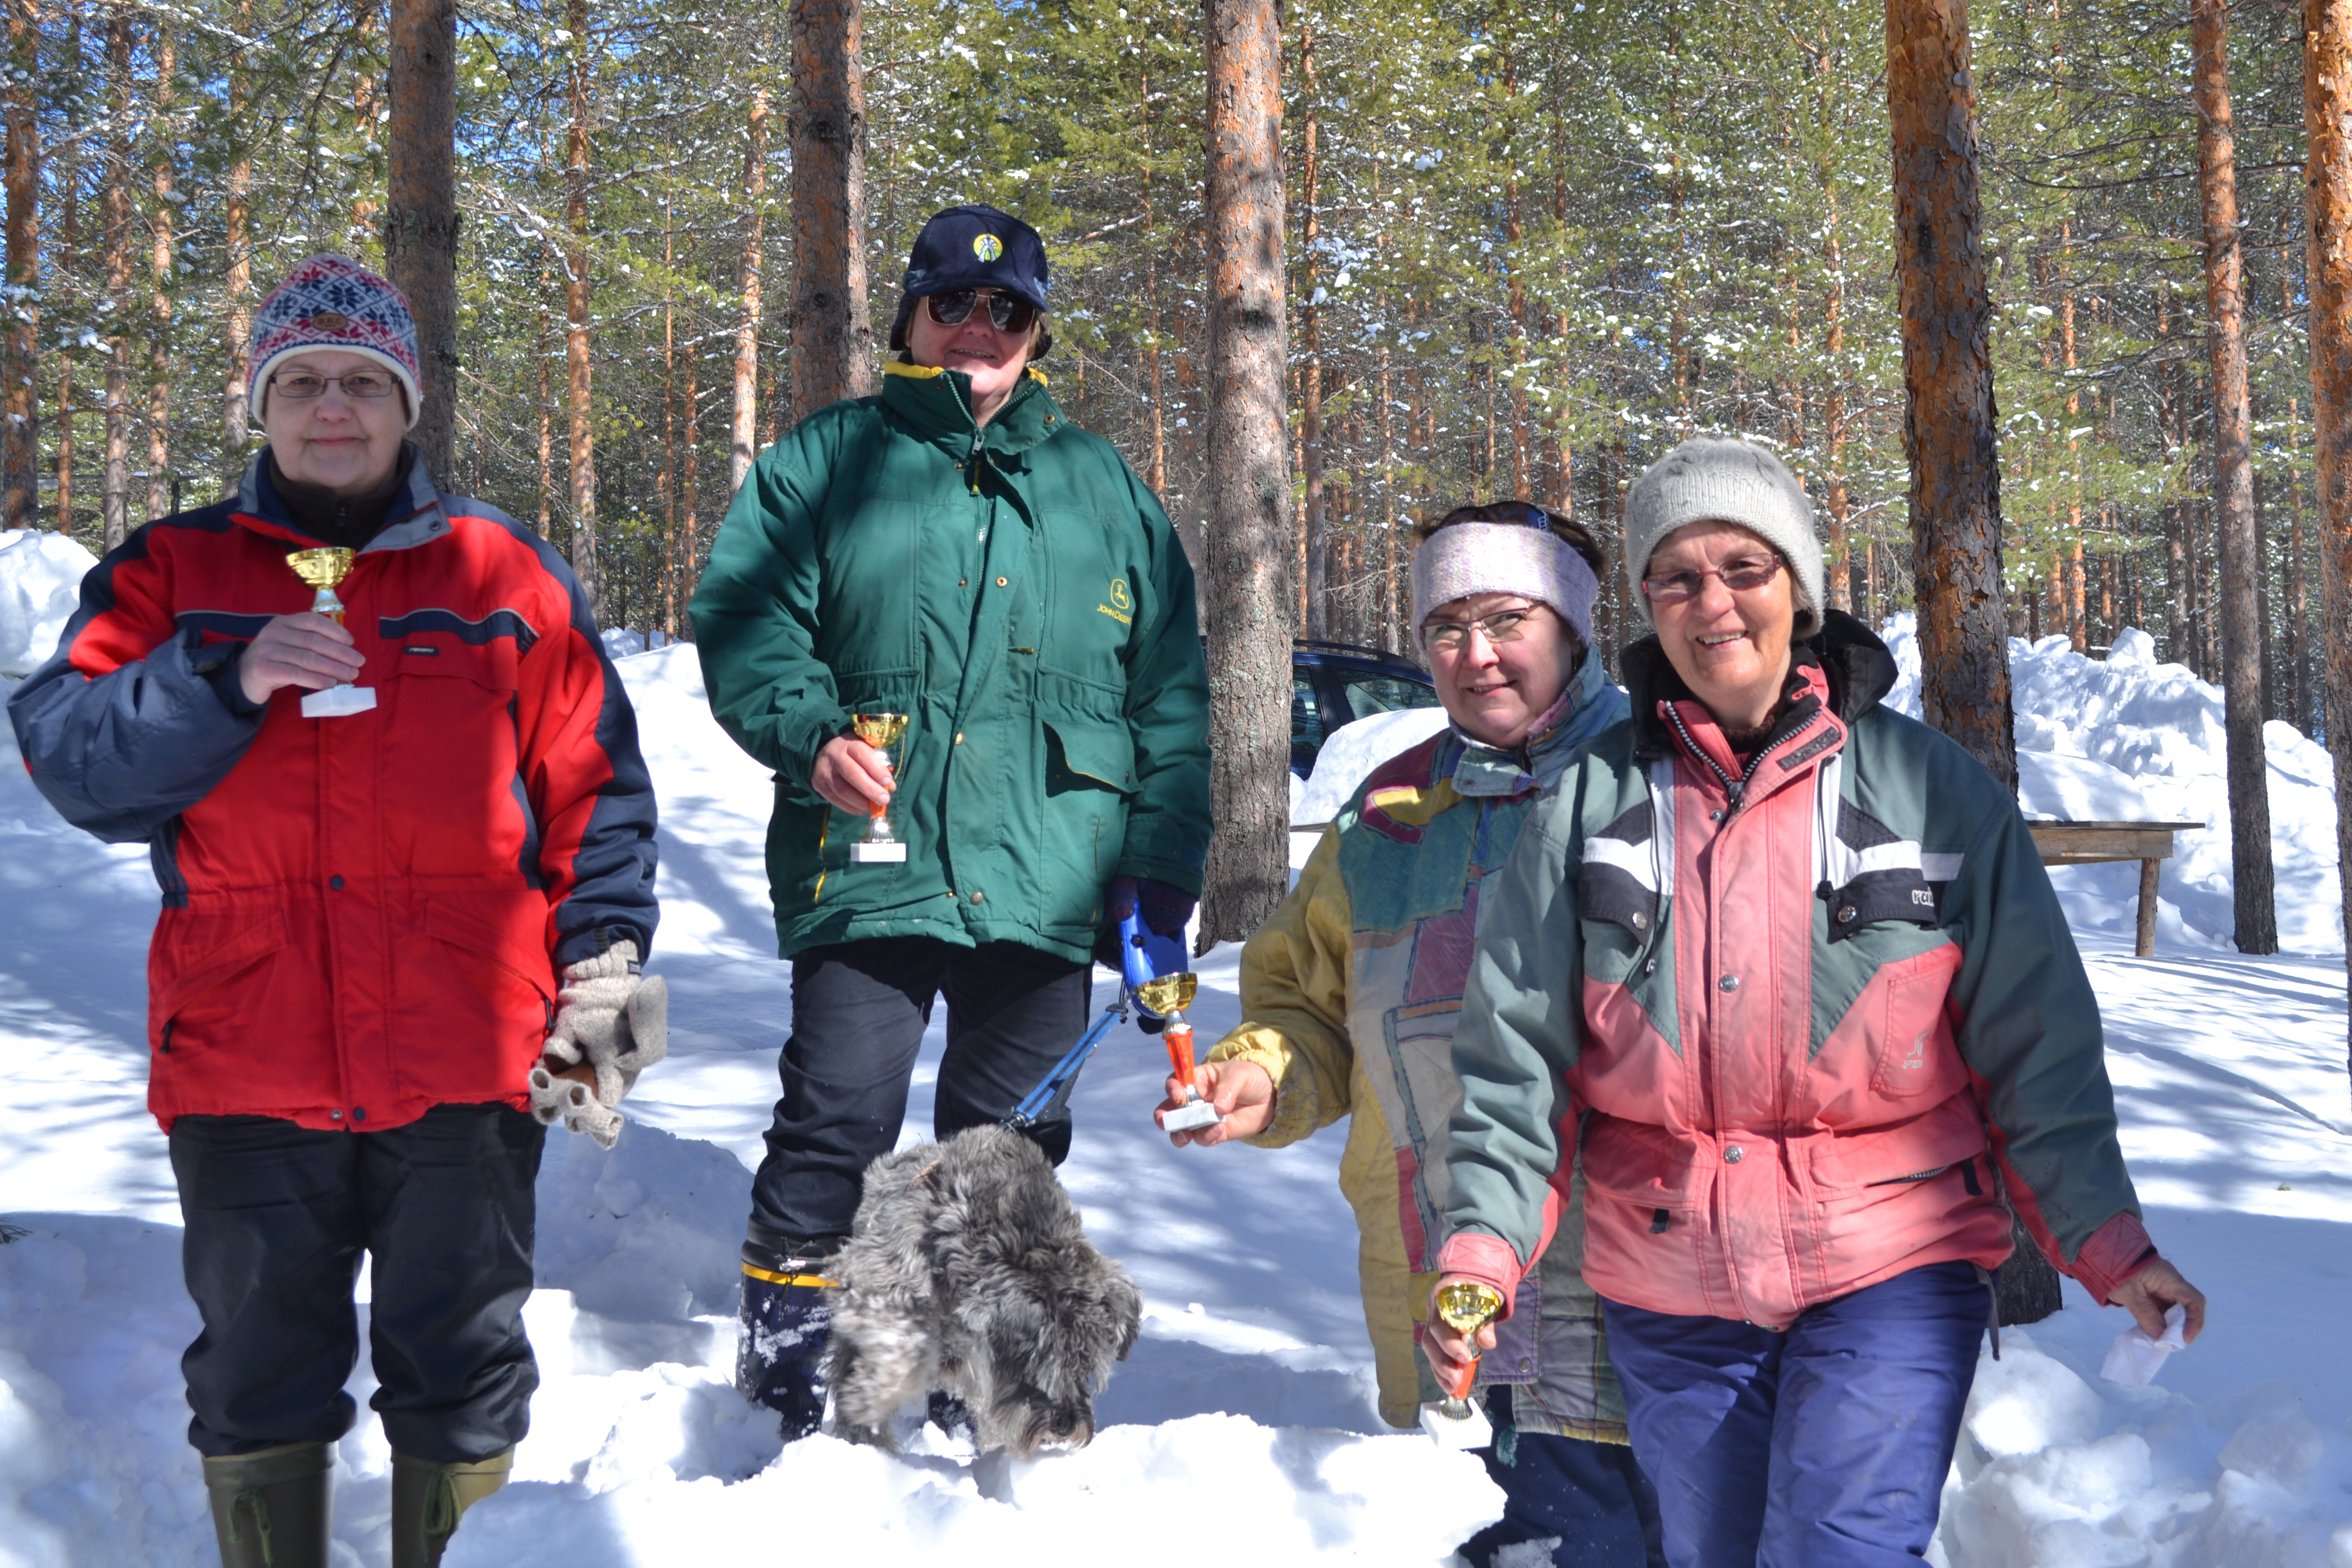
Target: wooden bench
<point x="2097" y="843"/>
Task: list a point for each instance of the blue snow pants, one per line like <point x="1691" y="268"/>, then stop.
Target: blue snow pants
<point x="1822" y="1447"/>
<point x="1589" y="1499"/>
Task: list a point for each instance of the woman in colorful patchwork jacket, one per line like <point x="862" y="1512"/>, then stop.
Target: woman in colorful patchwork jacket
<point x="1779" y="973"/>
<point x="1349" y="995"/>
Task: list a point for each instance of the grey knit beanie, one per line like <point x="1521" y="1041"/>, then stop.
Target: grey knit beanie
<point x="1713" y="479"/>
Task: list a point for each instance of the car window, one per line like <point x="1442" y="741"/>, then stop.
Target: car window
<point x="1308" y="724"/>
<point x="1369" y="694"/>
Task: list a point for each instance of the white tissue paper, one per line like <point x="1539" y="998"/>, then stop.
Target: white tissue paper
<point x="2135" y="1359"/>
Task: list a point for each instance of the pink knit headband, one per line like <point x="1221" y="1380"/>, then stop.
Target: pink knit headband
<point x="1504" y="558"/>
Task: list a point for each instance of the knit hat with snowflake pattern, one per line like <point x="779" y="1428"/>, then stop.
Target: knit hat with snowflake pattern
<point x="332" y="302"/>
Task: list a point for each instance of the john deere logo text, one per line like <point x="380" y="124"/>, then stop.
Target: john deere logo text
<point x="1121" y="607"/>
<point x="988" y="248"/>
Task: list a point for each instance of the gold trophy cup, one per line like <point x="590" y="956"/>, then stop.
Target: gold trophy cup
<point x="881" y="731"/>
<point x="1455" y="1421"/>
<point x="322" y="569"/>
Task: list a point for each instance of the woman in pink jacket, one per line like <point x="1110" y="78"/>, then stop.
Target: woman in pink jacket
<point x="1779" y="973"/>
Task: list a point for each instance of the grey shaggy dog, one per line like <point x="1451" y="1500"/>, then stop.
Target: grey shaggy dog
<point x="968" y="1271"/>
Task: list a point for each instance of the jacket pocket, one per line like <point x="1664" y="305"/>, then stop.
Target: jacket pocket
<point x="1089" y="772"/>
<point x="1916" y="1056"/>
<point x="490" y="665"/>
<point x="472" y="1017"/>
<point x="193" y="955"/>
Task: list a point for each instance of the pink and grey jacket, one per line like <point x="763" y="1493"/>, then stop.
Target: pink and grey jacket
<point x="1810" y="1017"/>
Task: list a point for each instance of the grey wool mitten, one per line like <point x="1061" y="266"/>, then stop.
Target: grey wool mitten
<point x="616" y="1021"/>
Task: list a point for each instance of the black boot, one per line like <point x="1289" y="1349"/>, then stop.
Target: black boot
<point x="272" y="1506"/>
<point x="786" y="1318"/>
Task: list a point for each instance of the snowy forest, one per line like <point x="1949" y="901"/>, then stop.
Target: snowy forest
<point x="1528" y="246"/>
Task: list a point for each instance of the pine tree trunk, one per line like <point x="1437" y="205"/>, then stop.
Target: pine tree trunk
<point x="68" y="261"/>
<point x="1948" y="425"/>
<point x="1314" y="545"/>
<point x="1248" y="482"/>
<point x="686" y="499"/>
<point x="2327" y="276"/>
<point x="20" y="351"/>
<point x="1949" y="435"/>
<point x="116" y="492"/>
<point x="584" y="562"/>
<point x="420" y="225"/>
<point x="543" y="346"/>
<point x="667" y="485"/>
<point x="833" y="342"/>
<point x="2233" y="497"/>
<point x="236" y="248"/>
<point x="159" y="312"/>
<point x="741" y="448"/>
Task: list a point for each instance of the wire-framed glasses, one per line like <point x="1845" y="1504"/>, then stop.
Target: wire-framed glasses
<point x="301" y="386"/>
<point x="1740" y="575"/>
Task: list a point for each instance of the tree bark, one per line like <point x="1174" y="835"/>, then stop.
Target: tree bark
<point x="116" y="485"/>
<point x="20" y="353"/>
<point x="833" y="342"/>
<point x="668" y="480"/>
<point x="1315" y="551"/>
<point x="236" y="248"/>
<point x="1248" y="482"/>
<point x="584" y="563"/>
<point x="741" y="448"/>
<point x="420" y="223"/>
<point x="687" y="500"/>
<point x="1948" y="434"/>
<point x="2328" y="277"/>
<point x="159" y="314"/>
<point x="1948" y="423"/>
<point x="2233" y="496"/>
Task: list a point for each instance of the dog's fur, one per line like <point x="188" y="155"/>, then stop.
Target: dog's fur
<point x="968" y="1272"/>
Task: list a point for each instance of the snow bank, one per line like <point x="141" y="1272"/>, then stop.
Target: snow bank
<point x="40" y="583"/>
<point x="1350" y="754"/>
<point x="1258" y="1496"/>
<point x="2053" y="1472"/>
<point x="2126" y="737"/>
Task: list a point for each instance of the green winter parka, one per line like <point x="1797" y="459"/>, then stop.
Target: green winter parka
<point x="1015" y="591"/>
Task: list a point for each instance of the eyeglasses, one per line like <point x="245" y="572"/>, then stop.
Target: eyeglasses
<point x="364" y="384"/>
<point x="1503" y="625"/>
<point x="1746" y="572"/>
<point x="1006" y="312"/>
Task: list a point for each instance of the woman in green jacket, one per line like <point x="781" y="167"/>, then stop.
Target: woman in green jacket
<point x="956" y="552"/>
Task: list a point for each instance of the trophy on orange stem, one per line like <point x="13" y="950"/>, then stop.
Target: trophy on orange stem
<point x="882" y="732"/>
<point x="1456" y="1422"/>
<point x="1153" y="969"/>
<point x="321" y="569"/>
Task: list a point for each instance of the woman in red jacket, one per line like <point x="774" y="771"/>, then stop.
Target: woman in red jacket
<point x="355" y="971"/>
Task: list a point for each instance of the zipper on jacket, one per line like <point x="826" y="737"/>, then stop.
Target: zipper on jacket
<point x="1737" y="788"/>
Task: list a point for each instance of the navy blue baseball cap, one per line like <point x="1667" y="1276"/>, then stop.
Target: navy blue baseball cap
<point x="974" y="247"/>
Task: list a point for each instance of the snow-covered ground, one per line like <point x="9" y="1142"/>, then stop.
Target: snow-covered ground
<point x="1243" y="1429"/>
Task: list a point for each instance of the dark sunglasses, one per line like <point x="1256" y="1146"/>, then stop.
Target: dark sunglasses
<point x="1006" y="312"/>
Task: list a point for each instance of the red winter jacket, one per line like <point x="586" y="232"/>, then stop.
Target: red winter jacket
<point x="363" y="917"/>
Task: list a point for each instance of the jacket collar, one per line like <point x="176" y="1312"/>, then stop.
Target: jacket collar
<point x="1583" y="711"/>
<point x="418" y="516"/>
<point x="935" y="406"/>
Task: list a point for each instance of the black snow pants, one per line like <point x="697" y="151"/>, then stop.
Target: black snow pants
<point x="277" y="1219"/>
<point x="860" y="1010"/>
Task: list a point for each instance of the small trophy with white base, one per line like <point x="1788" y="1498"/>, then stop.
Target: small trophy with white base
<point x="881" y="731"/>
<point x="321" y="569"/>
<point x="1167" y="997"/>
<point x="1455" y="1421"/>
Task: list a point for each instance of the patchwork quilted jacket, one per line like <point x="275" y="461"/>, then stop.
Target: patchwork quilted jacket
<point x="1350" y="996"/>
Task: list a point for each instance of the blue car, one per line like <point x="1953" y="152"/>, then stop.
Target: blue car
<point x="1335" y="683"/>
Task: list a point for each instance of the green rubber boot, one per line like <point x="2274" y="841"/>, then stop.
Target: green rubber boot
<point x="272" y="1508"/>
<point x="429" y="1498"/>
